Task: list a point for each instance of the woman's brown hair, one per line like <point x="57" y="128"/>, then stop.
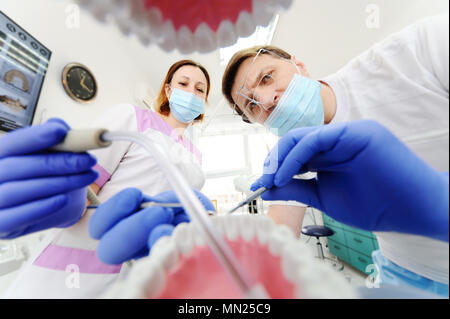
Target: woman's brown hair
<point x="235" y="62"/>
<point x="162" y="102"/>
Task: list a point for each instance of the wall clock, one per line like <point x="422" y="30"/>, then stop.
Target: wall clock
<point x="79" y="82"/>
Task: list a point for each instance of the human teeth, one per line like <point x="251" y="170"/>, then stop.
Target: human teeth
<point x="219" y="224"/>
<point x="204" y="38"/>
<point x="168" y="37"/>
<point x="310" y="281"/>
<point x="320" y="281"/>
<point x="164" y="251"/>
<point x="261" y="13"/>
<point x="246" y="227"/>
<point x="245" y="25"/>
<point x="230" y="225"/>
<point x="226" y="34"/>
<point x="264" y="227"/>
<point x="198" y="237"/>
<point x="183" y="238"/>
<point x="310" y="276"/>
<point x="292" y="256"/>
<point x="277" y="238"/>
<point x="185" y="40"/>
<point x="150" y="22"/>
<point x="147" y="277"/>
<point x="155" y="281"/>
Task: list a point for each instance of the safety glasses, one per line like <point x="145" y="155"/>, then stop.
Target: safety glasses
<point x="263" y="85"/>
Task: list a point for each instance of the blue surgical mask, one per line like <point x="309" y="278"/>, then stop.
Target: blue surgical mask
<point x="185" y="106"/>
<point x="299" y="106"/>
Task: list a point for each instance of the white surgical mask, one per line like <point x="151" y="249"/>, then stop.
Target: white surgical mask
<point x="185" y="106"/>
<point x="299" y="106"/>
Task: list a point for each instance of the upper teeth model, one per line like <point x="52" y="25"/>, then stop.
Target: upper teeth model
<point x="188" y="26"/>
<point x="183" y="266"/>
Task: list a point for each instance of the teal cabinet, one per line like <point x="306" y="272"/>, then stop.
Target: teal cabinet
<point x="339" y="235"/>
<point x="352" y="245"/>
<point x="360" y="261"/>
<point x="375" y="243"/>
<point x="331" y="222"/>
<point x="339" y="250"/>
<point x="358" y="231"/>
<point x="359" y="243"/>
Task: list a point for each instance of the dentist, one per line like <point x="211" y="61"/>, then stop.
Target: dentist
<point x="401" y="82"/>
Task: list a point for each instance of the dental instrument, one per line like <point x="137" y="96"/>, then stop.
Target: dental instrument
<point x="147" y="205"/>
<point x="249" y="199"/>
<point x="83" y="140"/>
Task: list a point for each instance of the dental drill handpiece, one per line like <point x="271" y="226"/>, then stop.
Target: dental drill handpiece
<point x="82" y="140"/>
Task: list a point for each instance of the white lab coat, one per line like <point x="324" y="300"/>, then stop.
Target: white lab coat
<point x="65" y="265"/>
<point x="403" y="83"/>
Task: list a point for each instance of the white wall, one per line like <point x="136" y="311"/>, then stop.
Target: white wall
<point x="326" y="34"/>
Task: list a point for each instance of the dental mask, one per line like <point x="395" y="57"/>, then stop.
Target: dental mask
<point x="299" y="106"/>
<point x="185" y="106"/>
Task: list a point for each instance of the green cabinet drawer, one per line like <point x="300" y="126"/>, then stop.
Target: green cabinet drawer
<point x="338" y="236"/>
<point x="328" y="221"/>
<point x="360" y="261"/>
<point x="358" y="231"/>
<point x="359" y="243"/>
<point x="340" y="251"/>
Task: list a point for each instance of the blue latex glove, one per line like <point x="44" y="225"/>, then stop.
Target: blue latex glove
<point x="38" y="189"/>
<point x="127" y="232"/>
<point x="366" y="178"/>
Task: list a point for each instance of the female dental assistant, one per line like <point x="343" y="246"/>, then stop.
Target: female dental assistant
<point x="68" y="258"/>
<point x="402" y="82"/>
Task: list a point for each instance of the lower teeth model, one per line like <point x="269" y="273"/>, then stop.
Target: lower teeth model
<point x="183" y="267"/>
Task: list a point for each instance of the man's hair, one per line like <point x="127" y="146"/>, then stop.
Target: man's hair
<point x="235" y="62"/>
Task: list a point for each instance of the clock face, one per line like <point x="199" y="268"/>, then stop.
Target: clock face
<point x="79" y="83"/>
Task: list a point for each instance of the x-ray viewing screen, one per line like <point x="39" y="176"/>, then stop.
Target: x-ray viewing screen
<point x="23" y="65"/>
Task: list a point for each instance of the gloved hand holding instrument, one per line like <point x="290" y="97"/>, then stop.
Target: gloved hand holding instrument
<point x="41" y="189"/>
<point x="122" y="217"/>
<point x="366" y="178"/>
